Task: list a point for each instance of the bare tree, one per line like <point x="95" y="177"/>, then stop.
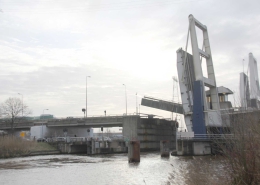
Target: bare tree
<point x="242" y="150"/>
<point x="14" y="110"/>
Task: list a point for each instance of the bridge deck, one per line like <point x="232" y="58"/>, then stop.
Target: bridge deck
<point x="162" y="105"/>
<point x="94" y="122"/>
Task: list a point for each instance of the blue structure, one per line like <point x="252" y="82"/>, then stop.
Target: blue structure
<point x="198" y="121"/>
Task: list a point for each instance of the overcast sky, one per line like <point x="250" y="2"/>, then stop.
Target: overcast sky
<point x="47" y="48"/>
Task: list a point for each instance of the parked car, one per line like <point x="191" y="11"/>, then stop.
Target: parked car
<point x="117" y="137"/>
<point x="41" y="140"/>
<point x="99" y="138"/>
<point x="60" y="139"/>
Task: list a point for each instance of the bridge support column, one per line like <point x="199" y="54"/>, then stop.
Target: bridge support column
<point x="134" y="151"/>
<point x="149" y="132"/>
<point x="164" y="148"/>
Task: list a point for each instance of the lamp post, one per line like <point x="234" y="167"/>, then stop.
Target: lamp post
<point x="22" y="103"/>
<point x="42" y="122"/>
<point x="125" y="99"/>
<point x="84" y="110"/>
<point x="175" y="84"/>
<point x="136" y="104"/>
<point x="87" y="95"/>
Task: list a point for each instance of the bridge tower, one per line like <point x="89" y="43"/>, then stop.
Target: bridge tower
<point x="198" y="113"/>
<point x="254" y="82"/>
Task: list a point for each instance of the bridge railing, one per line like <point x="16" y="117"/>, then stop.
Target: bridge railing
<point x="207" y="137"/>
<point x="67" y="139"/>
<point x="76" y="139"/>
<point x="95" y="116"/>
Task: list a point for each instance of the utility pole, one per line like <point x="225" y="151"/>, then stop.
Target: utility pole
<point x="87" y="95"/>
<point x="136" y="105"/>
<point x="22" y="103"/>
<point x="42" y="122"/>
<point x="125" y="99"/>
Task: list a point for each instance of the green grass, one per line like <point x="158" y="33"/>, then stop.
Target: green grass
<point x="41" y="146"/>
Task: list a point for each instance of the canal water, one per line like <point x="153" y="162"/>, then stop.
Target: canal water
<point x="111" y="169"/>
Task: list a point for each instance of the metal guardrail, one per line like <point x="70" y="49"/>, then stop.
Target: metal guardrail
<point x="207" y="136"/>
<point x="96" y="116"/>
<point x="67" y="118"/>
<point x="84" y="139"/>
<point x="68" y="139"/>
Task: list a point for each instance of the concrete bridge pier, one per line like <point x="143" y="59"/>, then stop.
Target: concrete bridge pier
<point x="134" y="151"/>
<point x="149" y="131"/>
<point x="164" y="148"/>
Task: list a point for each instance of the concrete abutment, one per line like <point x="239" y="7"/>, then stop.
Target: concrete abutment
<point x="149" y="131"/>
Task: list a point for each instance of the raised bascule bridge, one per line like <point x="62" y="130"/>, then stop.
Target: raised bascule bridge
<point x="205" y="108"/>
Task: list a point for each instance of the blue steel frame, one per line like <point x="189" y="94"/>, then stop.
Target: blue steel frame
<point x="198" y="118"/>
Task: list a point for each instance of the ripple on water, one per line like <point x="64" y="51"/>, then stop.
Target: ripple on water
<point x="101" y="169"/>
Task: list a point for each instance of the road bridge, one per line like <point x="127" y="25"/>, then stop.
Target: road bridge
<point x="94" y="122"/>
<point x="149" y="131"/>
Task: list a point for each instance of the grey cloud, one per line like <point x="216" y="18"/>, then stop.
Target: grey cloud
<point x="66" y="86"/>
<point x="233" y="32"/>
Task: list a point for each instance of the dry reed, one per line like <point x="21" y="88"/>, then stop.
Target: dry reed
<point x="11" y="146"/>
<point x="242" y="151"/>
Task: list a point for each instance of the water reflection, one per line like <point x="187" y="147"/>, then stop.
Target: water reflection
<point x="102" y="169"/>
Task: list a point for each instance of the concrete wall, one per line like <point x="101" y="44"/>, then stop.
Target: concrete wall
<point x="48" y="132"/>
<point x="149" y="132"/>
<point x="193" y="147"/>
<point x="130" y="127"/>
<point x="71" y="131"/>
<point x="74" y="149"/>
<point x="184" y="147"/>
<point x="201" y="148"/>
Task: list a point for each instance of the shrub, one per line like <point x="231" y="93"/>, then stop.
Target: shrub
<point x="242" y="149"/>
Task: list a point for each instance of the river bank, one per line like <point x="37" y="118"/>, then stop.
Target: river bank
<point x="43" y="148"/>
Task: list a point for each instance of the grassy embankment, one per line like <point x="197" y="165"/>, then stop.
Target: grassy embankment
<point x="11" y="146"/>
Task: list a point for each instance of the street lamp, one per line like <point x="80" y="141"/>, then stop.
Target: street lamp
<point x="125" y="99"/>
<point x="44" y="110"/>
<point x="84" y="110"/>
<point x="87" y="94"/>
<point x="175" y="90"/>
<point x="22" y="103"/>
<point x="136" y="104"/>
<point x="42" y="122"/>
